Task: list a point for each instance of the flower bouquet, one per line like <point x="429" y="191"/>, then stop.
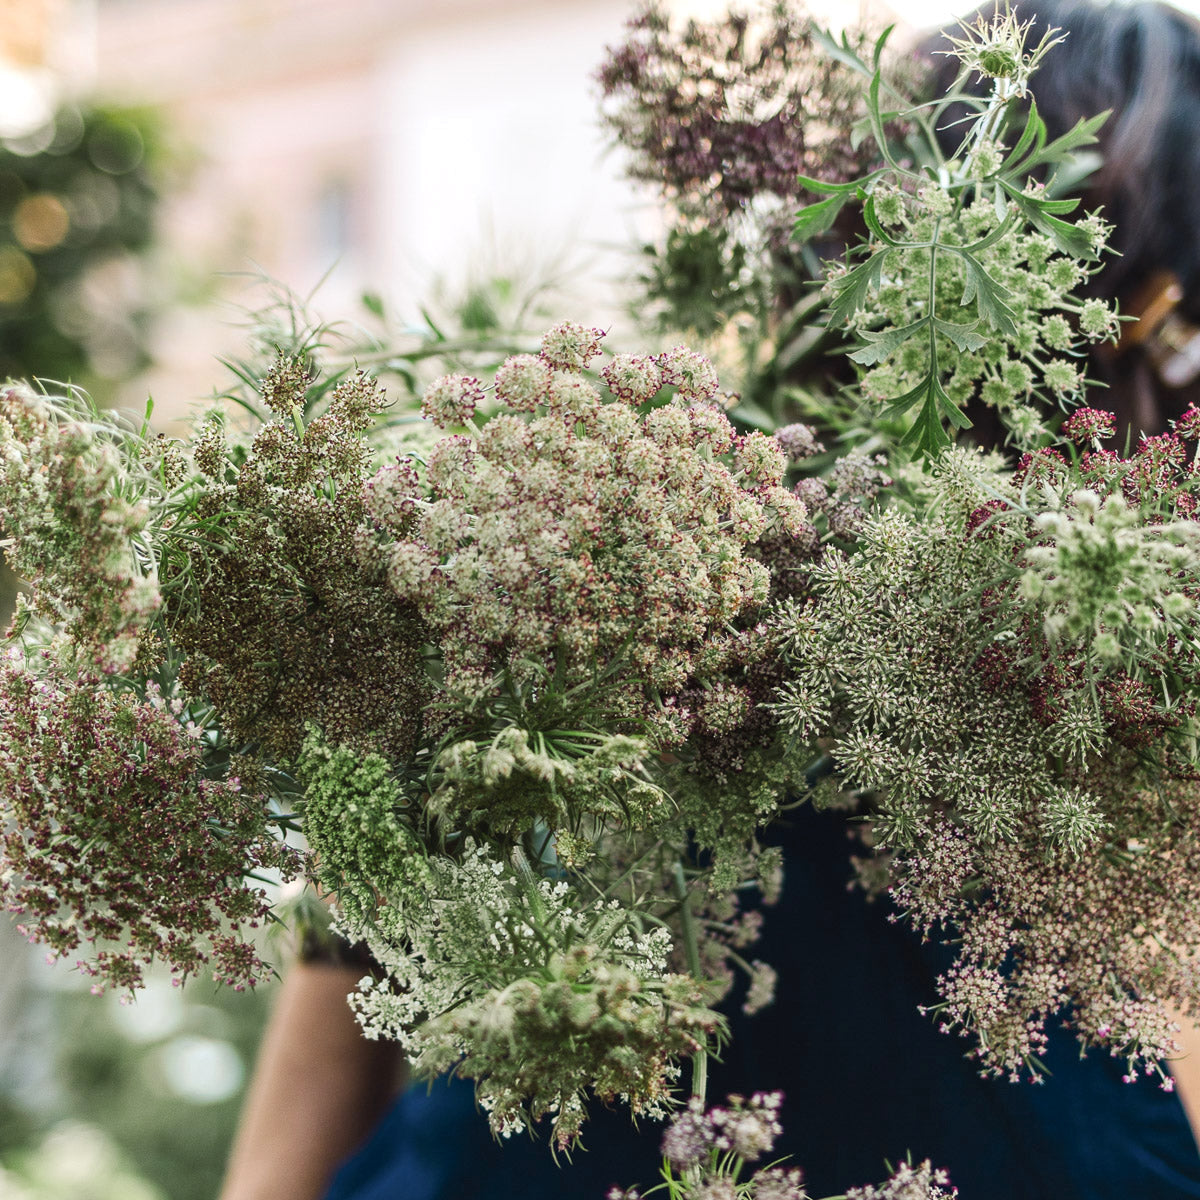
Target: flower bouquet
<point x="533" y="692"/>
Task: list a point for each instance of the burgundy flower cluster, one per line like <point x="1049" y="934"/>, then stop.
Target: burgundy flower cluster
<point x="724" y="113"/>
<point x="114" y="838"/>
<point x="279" y="623"/>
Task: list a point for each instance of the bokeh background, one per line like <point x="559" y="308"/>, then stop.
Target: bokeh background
<point x="158" y="160"/>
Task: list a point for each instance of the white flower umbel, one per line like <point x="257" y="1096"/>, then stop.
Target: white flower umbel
<point x="506" y="978"/>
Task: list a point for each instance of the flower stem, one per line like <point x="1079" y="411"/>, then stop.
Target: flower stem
<point x="691" y="946"/>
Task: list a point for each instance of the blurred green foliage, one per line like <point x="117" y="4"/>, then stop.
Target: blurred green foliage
<point x="131" y="1088"/>
<point x="159" y="1082"/>
<point x="78" y="199"/>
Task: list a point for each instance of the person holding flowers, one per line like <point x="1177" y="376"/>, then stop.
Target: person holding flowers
<point x="558" y="700"/>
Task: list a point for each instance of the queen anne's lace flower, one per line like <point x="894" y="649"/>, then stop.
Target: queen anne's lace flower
<point x="572" y="516"/>
<point x="452" y="400"/>
<point x="1008" y="677"/>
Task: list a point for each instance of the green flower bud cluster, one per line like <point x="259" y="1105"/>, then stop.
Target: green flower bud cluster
<point x="965" y="287"/>
<point x="1100" y="572"/>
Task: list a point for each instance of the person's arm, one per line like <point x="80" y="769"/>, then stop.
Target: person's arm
<point x="318" y="1089"/>
<point x="1186" y="1069"/>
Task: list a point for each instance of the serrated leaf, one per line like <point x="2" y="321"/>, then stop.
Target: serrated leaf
<point x="828" y="189"/>
<point x="1082" y="134"/>
<point x="1068" y="239"/>
<point x="854" y="288"/>
<point x="885" y="342"/>
<point x="988" y="296"/>
<point x="1047" y="204"/>
<point x="899" y="405"/>
<point x="927" y="432"/>
<point x="965" y="337"/>
<point x="926" y="435"/>
<point x="815" y="219"/>
<point x="947" y="408"/>
<point x="1034" y="134"/>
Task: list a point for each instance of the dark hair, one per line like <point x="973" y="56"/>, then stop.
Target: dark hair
<point x="1142" y="61"/>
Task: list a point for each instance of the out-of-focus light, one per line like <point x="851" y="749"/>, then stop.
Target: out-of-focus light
<point x="17" y="275"/>
<point x="40" y="222"/>
<point x="202" y="1070"/>
<point x="26" y="100"/>
<point x="155" y="1012"/>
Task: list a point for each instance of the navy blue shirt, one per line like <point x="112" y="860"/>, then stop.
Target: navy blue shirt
<point x="867" y="1080"/>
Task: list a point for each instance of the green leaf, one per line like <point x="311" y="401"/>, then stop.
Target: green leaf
<point x="884" y="343"/>
<point x="875" y="117"/>
<point x="428" y="319"/>
<point x="1074" y="173"/>
<point x="830" y="189"/>
<point x="756" y="415"/>
<point x="899" y="405"/>
<point x="808" y="341"/>
<point x="965" y="337"/>
<point x="1034" y="132"/>
<point x="841" y="52"/>
<point x="1010" y="219"/>
<point x="1068" y="239"/>
<point x="880" y="43"/>
<point x="926" y="435"/>
<point x="872" y="220"/>
<point x="1083" y="134"/>
<point x="988" y="295"/>
<point x="1048" y="205"/>
<point x="814" y="219"/>
<point x="854" y="288"/>
<point x="373" y="303"/>
<point x="947" y="408"/>
<point x="145" y="429"/>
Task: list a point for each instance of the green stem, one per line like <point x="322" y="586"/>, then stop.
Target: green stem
<point x="447" y="347"/>
<point x="691" y="945"/>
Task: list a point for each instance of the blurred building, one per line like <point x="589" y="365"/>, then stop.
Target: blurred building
<point x="375" y="144"/>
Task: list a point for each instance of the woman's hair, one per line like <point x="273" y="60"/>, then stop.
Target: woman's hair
<point x="1140" y="60"/>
